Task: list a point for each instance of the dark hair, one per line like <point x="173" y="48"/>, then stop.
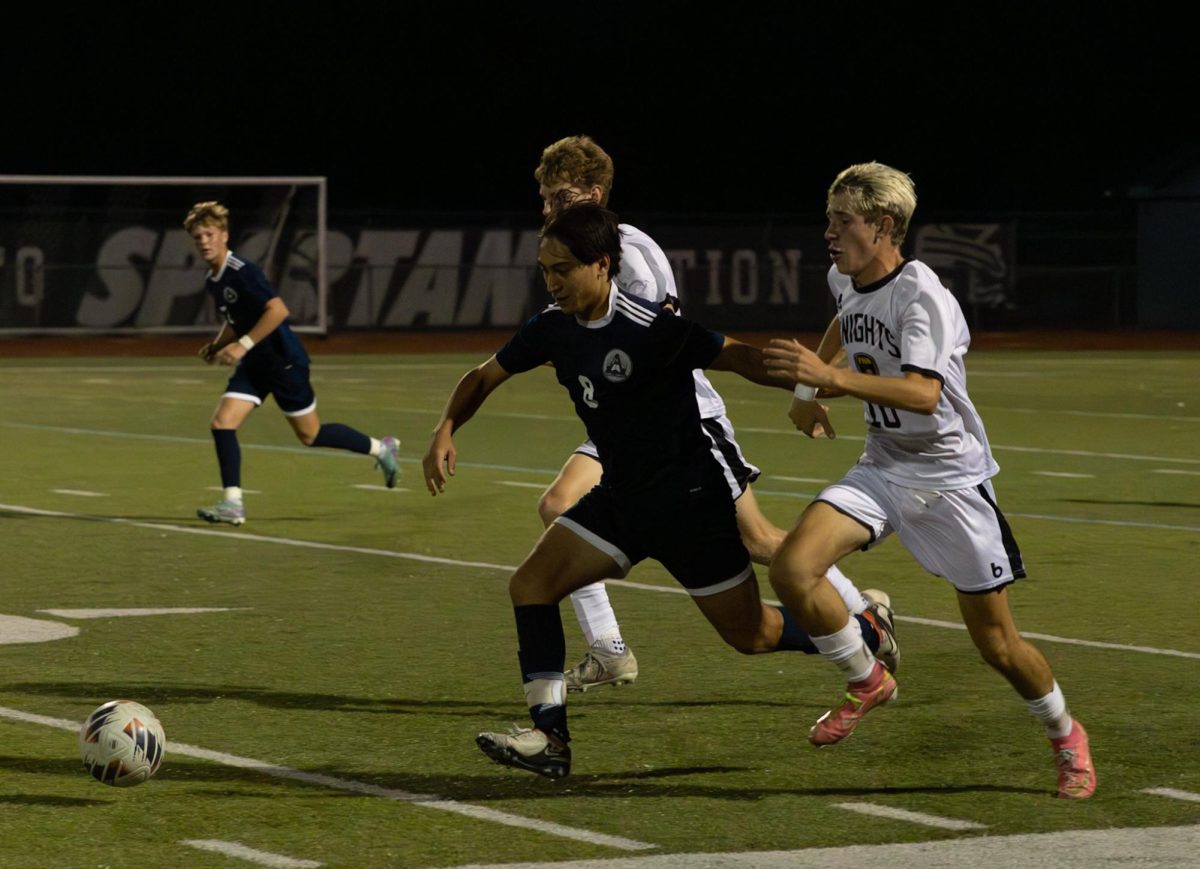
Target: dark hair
<point x="589" y="231"/>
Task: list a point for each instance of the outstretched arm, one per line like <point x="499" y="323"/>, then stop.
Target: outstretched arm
<point x="749" y="362"/>
<point x="913" y="392"/>
<point x="468" y="396"/>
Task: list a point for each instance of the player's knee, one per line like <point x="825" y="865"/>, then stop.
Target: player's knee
<point x="550" y="506"/>
<point x="794" y="569"/>
<point x="308" y="438"/>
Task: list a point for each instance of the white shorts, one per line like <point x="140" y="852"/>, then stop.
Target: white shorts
<point x="958" y="534"/>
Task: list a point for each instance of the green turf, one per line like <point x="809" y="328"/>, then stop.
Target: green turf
<point x="380" y="670"/>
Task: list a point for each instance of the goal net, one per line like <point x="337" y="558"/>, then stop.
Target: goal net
<point x="109" y="254"/>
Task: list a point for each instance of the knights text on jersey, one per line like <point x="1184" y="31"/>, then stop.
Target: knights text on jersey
<point x="630" y="376"/>
<point x="905" y="322"/>
<point x="241" y="292"/>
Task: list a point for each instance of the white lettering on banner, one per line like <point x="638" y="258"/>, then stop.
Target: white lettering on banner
<point x="682" y="262"/>
<point x="500" y="279"/>
<point x="30" y="277"/>
<point x="785" y="277"/>
<point x="377" y="253"/>
<point x="178" y="273"/>
<point x="116" y="265"/>
<point x="713" y="257"/>
<point x="432" y="286"/>
<point x="743" y="277"/>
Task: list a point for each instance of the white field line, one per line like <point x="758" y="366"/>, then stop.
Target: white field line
<point x="508" y="568"/>
<point x="1173" y="794"/>
<point x="797" y="479"/>
<point x="1088" y="454"/>
<point x="910" y="817"/>
<point x="80" y="493"/>
<point x="1099" y="414"/>
<point x="1174" y="471"/>
<point x="1141" y="847"/>
<point x="375" y="487"/>
<point x="424" y="800"/>
<point x="1064" y="474"/>
<point x="520" y="485"/>
<point x="239" y="851"/>
<point x="141" y="611"/>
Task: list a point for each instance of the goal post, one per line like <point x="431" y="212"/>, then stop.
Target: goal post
<point x="96" y="254"/>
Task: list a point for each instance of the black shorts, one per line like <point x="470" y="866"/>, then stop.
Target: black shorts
<point x="686" y="521"/>
<point x="289" y="385"/>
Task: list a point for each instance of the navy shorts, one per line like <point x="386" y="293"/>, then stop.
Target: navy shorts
<point x="687" y="522"/>
<point x="289" y="385"/>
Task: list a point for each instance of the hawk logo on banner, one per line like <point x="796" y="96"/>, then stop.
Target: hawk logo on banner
<point x="973" y="259"/>
<point x="617" y="366"/>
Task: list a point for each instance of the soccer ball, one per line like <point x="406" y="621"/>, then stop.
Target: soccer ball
<point x="122" y="743"/>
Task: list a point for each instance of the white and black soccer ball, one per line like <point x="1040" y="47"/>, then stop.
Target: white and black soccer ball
<point x="122" y="743"/>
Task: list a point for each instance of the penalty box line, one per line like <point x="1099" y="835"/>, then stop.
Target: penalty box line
<point x="425" y="800"/>
<point x="509" y="568"/>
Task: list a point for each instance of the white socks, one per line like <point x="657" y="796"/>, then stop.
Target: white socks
<point x="596" y="615"/>
<point x="845" y="587"/>
<point x="1051" y="710"/>
<point x="376" y="448"/>
<point x="234" y="494"/>
<point x="847" y="651"/>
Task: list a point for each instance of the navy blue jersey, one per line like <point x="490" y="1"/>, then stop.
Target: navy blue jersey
<point x="630" y="376"/>
<point x="241" y="292"/>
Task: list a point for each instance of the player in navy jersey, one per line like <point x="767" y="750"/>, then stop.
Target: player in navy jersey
<point x="925" y="473"/>
<point x="576" y="169"/>
<point x="627" y="365"/>
<point x="269" y="360"/>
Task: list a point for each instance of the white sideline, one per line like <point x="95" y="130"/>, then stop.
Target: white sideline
<point x="910" y="817"/>
<point x="243" y="852"/>
<point x="1173" y="794"/>
<point x="509" y="568"/>
<point x="1141" y="847"/>
<point x="428" y="801"/>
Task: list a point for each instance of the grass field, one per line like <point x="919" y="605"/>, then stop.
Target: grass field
<point x="322" y="708"/>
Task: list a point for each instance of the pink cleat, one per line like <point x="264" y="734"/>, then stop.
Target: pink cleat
<point x="861" y="697"/>
<point x="1073" y="757"/>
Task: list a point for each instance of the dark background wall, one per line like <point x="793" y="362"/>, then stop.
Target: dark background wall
<point x="997" y="113"/>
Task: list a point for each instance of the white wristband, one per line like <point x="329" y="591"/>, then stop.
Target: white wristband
<point x="248" y="342"/>
<point x="805" y="393"/>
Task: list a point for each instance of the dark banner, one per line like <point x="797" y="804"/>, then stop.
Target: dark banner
<point x="101" y="274"/>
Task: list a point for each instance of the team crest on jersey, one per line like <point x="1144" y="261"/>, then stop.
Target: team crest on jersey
<point x="617" y="366"/>
<point x="230" y="295"/>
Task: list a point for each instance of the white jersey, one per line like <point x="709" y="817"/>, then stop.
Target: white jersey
<point x="646" y="272"/>
<point x="905" y="322"/>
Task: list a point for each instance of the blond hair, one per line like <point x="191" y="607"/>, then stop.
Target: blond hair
<point x="874" y="190"/>
<point x="578" y="161"/>
<point x="211" y="213"/>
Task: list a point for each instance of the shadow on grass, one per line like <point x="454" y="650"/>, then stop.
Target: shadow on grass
<point x="46" y="800"/>
<point x="152" y="695"/>
<point x="222" y="782"/>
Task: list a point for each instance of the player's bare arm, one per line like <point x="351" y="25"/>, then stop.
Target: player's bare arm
<point x="468" y="396"/>
<point x="913" y="392"/>
<point x="273" y="315"/>
<point x="749" y="362"/>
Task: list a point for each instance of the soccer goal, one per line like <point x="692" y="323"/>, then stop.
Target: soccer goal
<point x="101" y="254"/>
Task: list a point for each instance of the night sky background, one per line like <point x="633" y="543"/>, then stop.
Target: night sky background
<point x="748" y="110"/>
